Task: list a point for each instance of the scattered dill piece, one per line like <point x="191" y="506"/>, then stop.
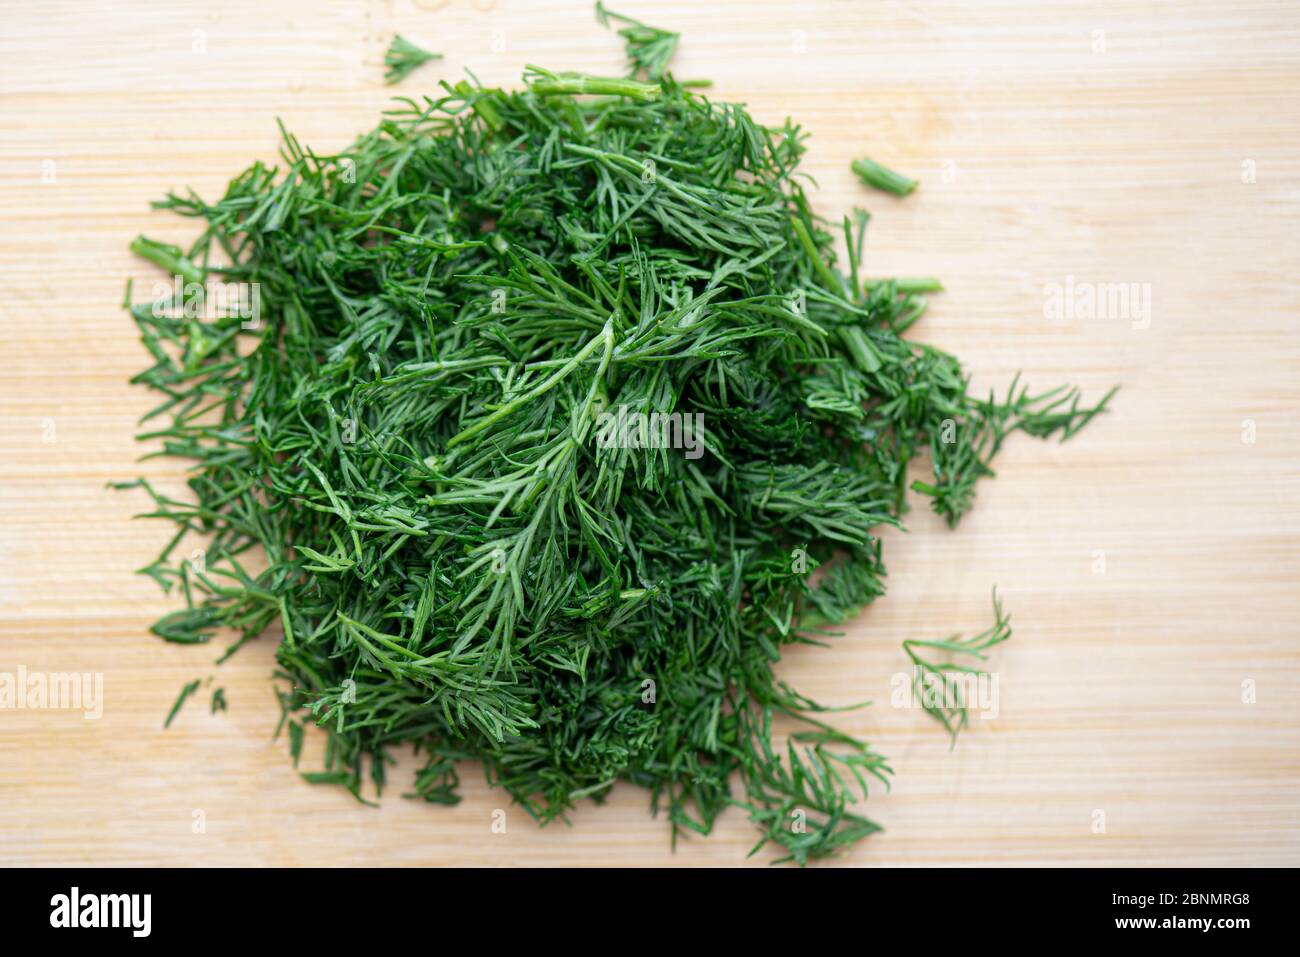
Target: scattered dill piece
<point x="403" y="57"/>
<point x="325" y="777"/>
<point x="295" y="741"/>
<point x="883" y="178"/>
<point x="397" y="472"/>
<point x="648" y="48"/>
<point x="908" y="284"/>
<point x="937" y="684"/>
<point x="218" y="700"/>
<point x="961" y="459"/>
<point x="186" y="691"/>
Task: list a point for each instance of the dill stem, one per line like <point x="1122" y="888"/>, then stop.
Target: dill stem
<point x="908" y="284"/>
<point x="168" y="257"/>
<point x="482" y="106"/>
<point x="819" y="265"/>
<point x="860" y="348"/>
<point x="854" y="337"/>
<point x="580" y="83"/>
<point x="882" y="177"/>
<point x="606" y="336"/>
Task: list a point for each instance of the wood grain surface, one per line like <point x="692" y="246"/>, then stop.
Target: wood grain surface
<point x="1151" y="565"/>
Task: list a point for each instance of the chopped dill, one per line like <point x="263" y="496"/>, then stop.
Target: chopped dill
<point x="397" y="464"/>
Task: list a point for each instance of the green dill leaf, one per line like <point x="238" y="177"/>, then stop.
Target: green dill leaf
<point x="186" y="691"/>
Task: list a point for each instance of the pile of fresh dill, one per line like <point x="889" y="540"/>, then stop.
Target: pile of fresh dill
<point x="403" y="460"/>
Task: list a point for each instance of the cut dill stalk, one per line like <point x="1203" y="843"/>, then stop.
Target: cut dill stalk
<point x="882" y="178"/>
<point x="168" y="257"/>
<point x="398" y="471"/>
<point x="545" y="83"/>
<point x="908" y="284"/>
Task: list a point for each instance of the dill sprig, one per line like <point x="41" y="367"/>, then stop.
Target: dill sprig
<point x="396" y="465"/>
<point x="941" y="680"/>
<point x="648" y="48"/>
<point x="403" y="57"/>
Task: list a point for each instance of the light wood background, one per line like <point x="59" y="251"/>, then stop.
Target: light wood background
<point x="1151" y="565"/>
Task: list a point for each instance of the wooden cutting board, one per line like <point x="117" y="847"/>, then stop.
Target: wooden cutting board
<point x="1149" y="703"/>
